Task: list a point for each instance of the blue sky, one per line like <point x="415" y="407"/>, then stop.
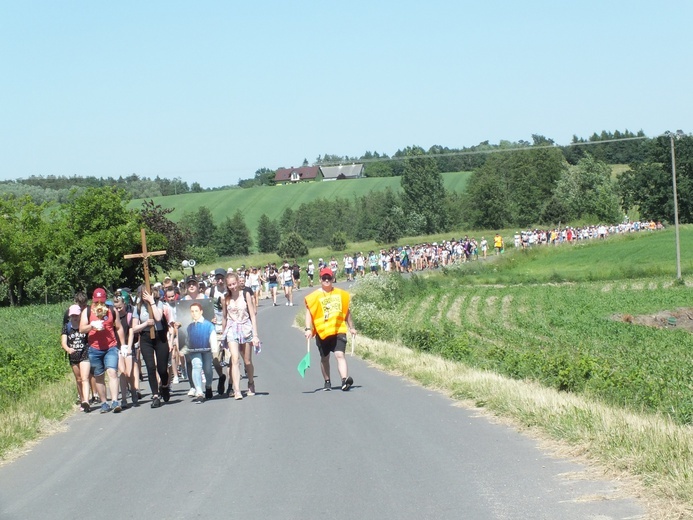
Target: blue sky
<point x="212" y="91"/>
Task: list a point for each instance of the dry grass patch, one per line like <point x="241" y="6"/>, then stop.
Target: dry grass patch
<point x="651" y="457"/>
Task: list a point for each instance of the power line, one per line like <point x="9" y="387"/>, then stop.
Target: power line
<point x="479" y="152"/>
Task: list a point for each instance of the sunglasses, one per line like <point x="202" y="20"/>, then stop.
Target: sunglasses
<point x="326" y="278"/>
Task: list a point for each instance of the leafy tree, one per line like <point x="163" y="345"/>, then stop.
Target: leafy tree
<point x="649" y="184"/>
<point x="174" y="239"/>
<point x="339" y="241"/>
<point x="453" y="208"/>
<point x="268" y="235"/>
<point x="200" y="226"/>
<point x="103" y="230"/>
<point x="174" y="186"/>
<point x="423" y="190"/>
<point x="196" y="188"/>
<point x="486" y="202"/>
<point x="287" y="222"/>
<point x="378" y="169"/>
<point x="292" y="246"/>
<point x="233" y="236"/>
<point x="532" y="177"/>
<point x="389" y="232"/>
<point x="587" y="192"/>
<point x="24" y="239"/>
<point x="370" y="210"/>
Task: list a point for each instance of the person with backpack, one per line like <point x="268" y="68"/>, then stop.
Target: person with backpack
<point x="102" y="325"/>
<point x="155" y="351"/>
<point x="127" y="364"/>
<point x="74" y="343"/>
<point x="296" y="273"/>
<point x="272" y="282"/>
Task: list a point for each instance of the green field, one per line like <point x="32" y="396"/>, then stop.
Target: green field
<point x="547" y="315"/>
<point x="274" y="200"/>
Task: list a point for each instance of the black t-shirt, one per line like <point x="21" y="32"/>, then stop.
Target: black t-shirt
<point x="75" y="339"/>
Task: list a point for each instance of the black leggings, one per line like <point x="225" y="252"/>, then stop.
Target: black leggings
<point x="155" y="354"/>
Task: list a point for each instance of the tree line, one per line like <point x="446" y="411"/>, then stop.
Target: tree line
<point x="607" y="146"/>
<point x="48" y="251"/>
<point x="61" y="189"/>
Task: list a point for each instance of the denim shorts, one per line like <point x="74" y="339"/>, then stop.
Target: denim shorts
<point x="103" y="359"/>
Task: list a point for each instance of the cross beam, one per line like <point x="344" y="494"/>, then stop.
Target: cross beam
<point x="144" y="255"/>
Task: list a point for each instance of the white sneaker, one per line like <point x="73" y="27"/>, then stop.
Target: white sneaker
<point x="287" y="304"/>
<point x="176" y="380"/>
<point x="192" y="392"/>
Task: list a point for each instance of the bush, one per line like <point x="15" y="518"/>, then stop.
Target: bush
<point x="292" y="246"/>
<point x="30" y="353"/>
<point x="339" y="241"/>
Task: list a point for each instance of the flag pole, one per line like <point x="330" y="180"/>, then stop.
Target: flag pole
<point x="304" y="364"/>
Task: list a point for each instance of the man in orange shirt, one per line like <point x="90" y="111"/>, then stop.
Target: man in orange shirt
<point x="328" y="317"/>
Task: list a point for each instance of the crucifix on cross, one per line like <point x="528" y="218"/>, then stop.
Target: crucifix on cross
<point x="144" y="255"/>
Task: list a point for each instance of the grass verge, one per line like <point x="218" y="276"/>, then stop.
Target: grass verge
<point x="650" y="455"/>
<point x="34" y="416"/>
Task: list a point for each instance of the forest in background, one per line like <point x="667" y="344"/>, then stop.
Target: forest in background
<point x="52" y="188"/>
<point x="49" y="249"/>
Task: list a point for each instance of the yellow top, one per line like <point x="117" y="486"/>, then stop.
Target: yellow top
<point x="328" y="311"/>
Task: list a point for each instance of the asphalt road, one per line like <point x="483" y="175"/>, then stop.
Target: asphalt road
<point x="387" y="449"/>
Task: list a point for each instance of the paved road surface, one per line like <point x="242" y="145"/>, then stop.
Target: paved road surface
<point x="385" y="450"/>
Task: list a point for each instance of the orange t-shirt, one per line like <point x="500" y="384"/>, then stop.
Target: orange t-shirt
<point x="328" y="310"/>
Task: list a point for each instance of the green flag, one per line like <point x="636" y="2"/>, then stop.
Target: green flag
<point x="304" y="365"/>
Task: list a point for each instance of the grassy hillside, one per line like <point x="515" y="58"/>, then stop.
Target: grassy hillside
<point x="273" y="200"/>
<point x="636" y="255"/>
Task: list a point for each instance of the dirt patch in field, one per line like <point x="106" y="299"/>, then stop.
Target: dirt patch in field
<point x="681" y="318"/>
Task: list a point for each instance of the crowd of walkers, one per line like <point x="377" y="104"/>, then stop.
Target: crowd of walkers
<point x="407" y="259"/>
<point x="107" y="340"/>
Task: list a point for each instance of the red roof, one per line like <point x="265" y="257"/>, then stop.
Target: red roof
<point x="305" y="173"/>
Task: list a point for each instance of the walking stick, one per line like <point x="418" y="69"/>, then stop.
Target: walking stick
<point x="353" y="341"/>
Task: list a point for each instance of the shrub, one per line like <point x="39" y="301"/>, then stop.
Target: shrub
<point x="292" y="246"/>
<point x="338" y="241"/>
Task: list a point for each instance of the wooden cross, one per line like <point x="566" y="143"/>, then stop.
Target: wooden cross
<point x="145" y="261"/>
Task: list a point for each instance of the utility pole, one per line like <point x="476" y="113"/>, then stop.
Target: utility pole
<point x="673" y="136"/>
